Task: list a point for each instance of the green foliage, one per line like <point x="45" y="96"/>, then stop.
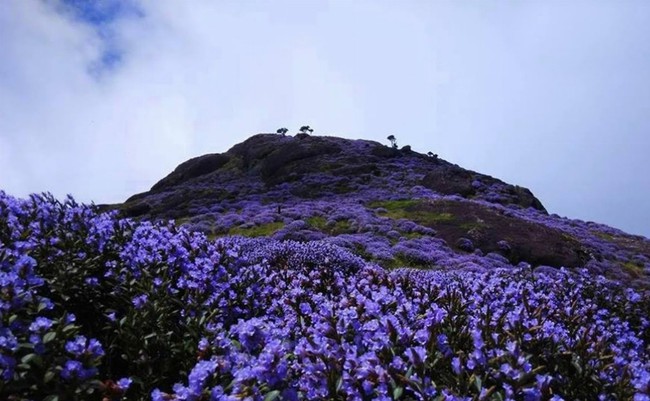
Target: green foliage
<point x="632" y="269"/>
<point x="401" y="260"/>
<point x="320" y="223"/>
<point x="412" y="209"/>
<point x="257" y="231"/>
<point x="605" y="236"/>
<point x="153" y="344"/>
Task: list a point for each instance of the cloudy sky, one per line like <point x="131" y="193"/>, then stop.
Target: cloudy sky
<point x="102" y="98"/>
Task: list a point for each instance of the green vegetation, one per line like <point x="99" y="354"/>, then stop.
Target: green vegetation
<point x="342" y="188"/>
<point x="257" y="231"/>
<point x="605" y="236"/>
<point x="394" y="205"/>
<point x="320" y="223"/>
<point x="411" y="235"/>
<point x="401" y="261"/>
<point x="234" y="164"/>
<point x="632" y="269"/>
<point x="471" y="225"/>
<point x="182" y="220"/>
<point x="413" y="209"/>
<point x="325" y="167"/>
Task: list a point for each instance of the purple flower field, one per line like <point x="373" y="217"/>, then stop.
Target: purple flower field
<point x="395" y="208"/>
<point x="95" y="307"/>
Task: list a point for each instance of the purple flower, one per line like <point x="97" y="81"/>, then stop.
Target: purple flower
<point x="417" y="355"/>
<point x="77" y="346"/>
<point x="92" y="281"/>
<point x="124" y="383"/>
<point x="71" y="369"/>
<point x="456" y="365"/>
<point x="40" y="324"/>
<point x="199" y="374"/>
<point x="8" y="340"/>
<point x="140" y="301"/>
<point x="422" y="336"/>
<point x="75" y="370"/>
<point x="157" y="395"/>
<point x="95" y="348"/>
<point x="7" y="366"/>
<point x="532" y="394"/>
<point x="80" y="346"/>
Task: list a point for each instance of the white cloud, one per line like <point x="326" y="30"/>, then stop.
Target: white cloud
<point x="539" y="94"/>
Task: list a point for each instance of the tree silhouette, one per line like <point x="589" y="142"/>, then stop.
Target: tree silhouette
<point x="282" y="131"/>
<point x="393" y="141"/>
<point x="305" y="128"/>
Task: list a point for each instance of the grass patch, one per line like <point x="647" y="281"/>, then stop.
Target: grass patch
<point x="401" y="261"/>
<point x="330" y="166"/>
<point x="257" y="231"/>
<point x="320" y="223"/>
<point x="317" y="222"/>
<point x="181" y="220"/>
<point x="234" y="164"/>
<point x="394" y="205"/>
<point x="412" y="235"/>
<point x="471" y="226"/>
<point x="605" y="236"/>
<point x="632" y="269"/>
<point x="412" y="210"/>
<point x="342" y="188"/>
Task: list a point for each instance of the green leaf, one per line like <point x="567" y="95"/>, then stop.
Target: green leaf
<point x="40" y="307"/>
<point x="33" y="359"/>
<point x="49" y="375"/>
<point x="397" y="392"/>
<point x="272" y="395"/>
<point x="478" y="384"/>
<point x="48" y="337"/>
<point x="25" y="346"/>
<point x="51" y="398"/>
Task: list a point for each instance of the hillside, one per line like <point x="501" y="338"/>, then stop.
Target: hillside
<point x="93" y="307"/>
<point x="319" y="268"/>
<point x="395" y="207"/>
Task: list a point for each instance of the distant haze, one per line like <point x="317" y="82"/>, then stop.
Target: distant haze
<point x="102" y="99"/>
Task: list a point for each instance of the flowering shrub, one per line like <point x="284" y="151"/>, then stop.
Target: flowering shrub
<point x="93" y="307"/>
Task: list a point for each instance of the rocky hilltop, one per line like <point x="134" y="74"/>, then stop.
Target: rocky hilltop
<point x="395" y="207"/>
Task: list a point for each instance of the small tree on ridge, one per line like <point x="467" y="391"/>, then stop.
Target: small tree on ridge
<point x="393" y="141"/>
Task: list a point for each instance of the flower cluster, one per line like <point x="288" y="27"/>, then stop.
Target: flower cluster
<point x="88" y="298"/>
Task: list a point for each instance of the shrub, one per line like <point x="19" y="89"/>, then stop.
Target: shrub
<point x="161" y="313"/>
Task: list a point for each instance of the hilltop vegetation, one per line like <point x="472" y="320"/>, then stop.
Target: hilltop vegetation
<point x="395" y="207"/>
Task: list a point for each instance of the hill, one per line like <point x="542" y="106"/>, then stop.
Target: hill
<point x="395" y="207"/>
<point x="319" y="268"/>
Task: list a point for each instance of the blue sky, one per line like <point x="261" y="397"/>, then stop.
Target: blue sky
<point x="101" y="99"/>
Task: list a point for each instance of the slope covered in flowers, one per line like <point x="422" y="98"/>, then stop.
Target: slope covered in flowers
<point x="95" y="307"/>
<point x="395" y="207"/>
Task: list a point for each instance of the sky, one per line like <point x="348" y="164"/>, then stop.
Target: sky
<point x="101" y="99"/>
